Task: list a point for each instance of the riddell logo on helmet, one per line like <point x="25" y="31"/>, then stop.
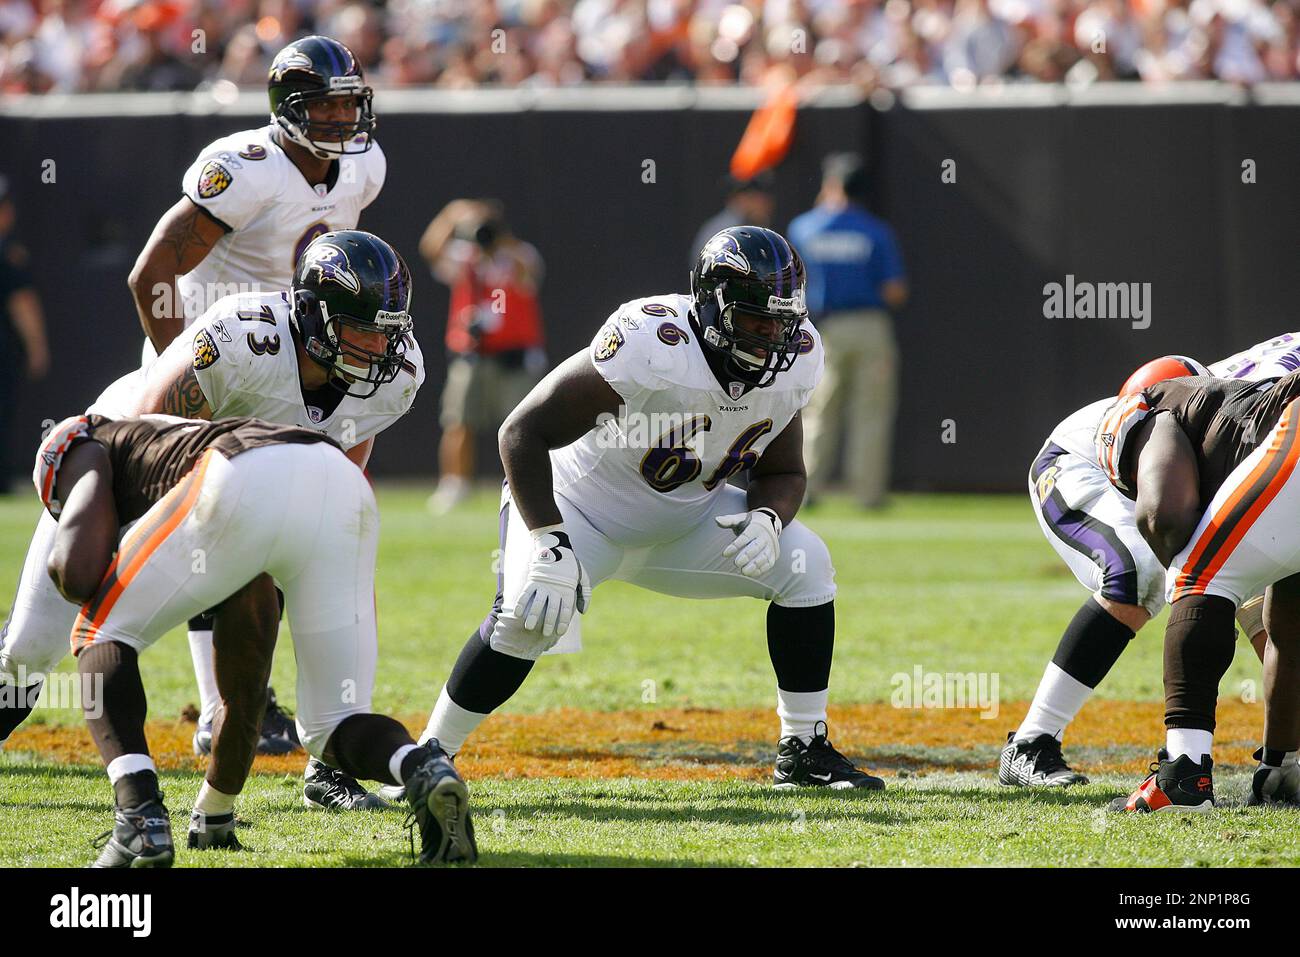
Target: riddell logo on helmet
<point x="793" y="305"/>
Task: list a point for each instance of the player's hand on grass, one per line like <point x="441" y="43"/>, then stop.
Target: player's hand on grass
<point x="757" y="545"/>
<point x="556" y="585"/>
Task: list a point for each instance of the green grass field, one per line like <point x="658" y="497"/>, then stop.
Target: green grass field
<point x="949" y="583"/>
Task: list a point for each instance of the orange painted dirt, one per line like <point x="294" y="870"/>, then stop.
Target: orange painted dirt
<point x="702" y="744"/>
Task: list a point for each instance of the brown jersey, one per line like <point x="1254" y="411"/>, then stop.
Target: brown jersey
<point x="1225" y="420"/>
<point x="152" y="453"/>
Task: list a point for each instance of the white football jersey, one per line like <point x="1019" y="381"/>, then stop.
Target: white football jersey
<point x="1077" y="433"/>
<point x="653" y="473"/>
<point x="249" y="183"/>
<point x="243" y="355"/>
<point x="1265" y="360"/>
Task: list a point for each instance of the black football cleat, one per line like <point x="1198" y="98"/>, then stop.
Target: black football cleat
<point x="279" y="733"/>
<point x="213" y="832"/>
<point x="818" y="765"/>
<point x="1036" y="763"/>
<point x="330" y="789"/>
<point x="439" y="803"/>
<point x="396" y="793"/>
<point x="141" y="837"/>
<point x="1183" y="785"/>
<point x="1275" y="787"/>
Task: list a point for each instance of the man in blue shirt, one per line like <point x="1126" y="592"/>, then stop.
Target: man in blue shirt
<point x="855" y="281"/>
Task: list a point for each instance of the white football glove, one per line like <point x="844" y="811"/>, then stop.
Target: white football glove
<point x="757" y="545"/>
<point x="556" y="584"/>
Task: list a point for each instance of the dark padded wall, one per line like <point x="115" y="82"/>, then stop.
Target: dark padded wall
<point x="1107" y="193"/>
<point x="571" y="182"/>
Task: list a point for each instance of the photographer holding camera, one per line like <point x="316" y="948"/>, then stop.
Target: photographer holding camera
<point x="494" y="331"/>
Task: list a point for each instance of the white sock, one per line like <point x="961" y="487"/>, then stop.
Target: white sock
<point x="450" y="723"/>
<point x="1057" y="700"/>
<point x="1193" y="742"/>
<point x="126" y="764"/>
<point x="800" y="711"/>
<point x="451" y="486"/>
<point x="395" y="762"/>
<point x="205" y="674"/>
<point x="212" y="801"/>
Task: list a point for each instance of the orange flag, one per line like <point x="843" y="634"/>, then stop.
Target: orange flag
<point x="768" y="136"/>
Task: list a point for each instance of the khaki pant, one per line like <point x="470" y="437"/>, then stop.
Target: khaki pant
<point x="857" y="399"/>
<point x="481" y="391"/>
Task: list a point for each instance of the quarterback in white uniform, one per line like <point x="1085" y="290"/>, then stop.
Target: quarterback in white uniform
<point x="252" y="200"/>
<point x="1093" y="529"/>
<point x="251" y="203"/>
<point x="247" y="182"/>
<point x="617" y="467"/>
<point x="271" y="356"/>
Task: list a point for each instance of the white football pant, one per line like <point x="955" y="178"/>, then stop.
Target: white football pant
<point x="302" y="513"/>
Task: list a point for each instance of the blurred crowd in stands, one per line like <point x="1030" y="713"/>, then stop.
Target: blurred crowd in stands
<point x="99" y="45"/>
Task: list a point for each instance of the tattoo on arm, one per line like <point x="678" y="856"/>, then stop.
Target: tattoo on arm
<point x="182" y="236"/>
<point x="185" y="397"/>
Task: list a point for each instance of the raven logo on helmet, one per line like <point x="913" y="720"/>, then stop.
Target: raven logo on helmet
<point x="328" y="263"/>
<point x="724" y="250"/>
<point x="290" y="58"/>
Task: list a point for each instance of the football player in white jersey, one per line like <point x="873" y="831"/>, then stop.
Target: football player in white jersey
<point x="263" y="503"/>
<point x="617" y="466"/>
<point x="334" y="354"/>
<point x="1093" y="529"/>
<point x="251" y="203"/>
